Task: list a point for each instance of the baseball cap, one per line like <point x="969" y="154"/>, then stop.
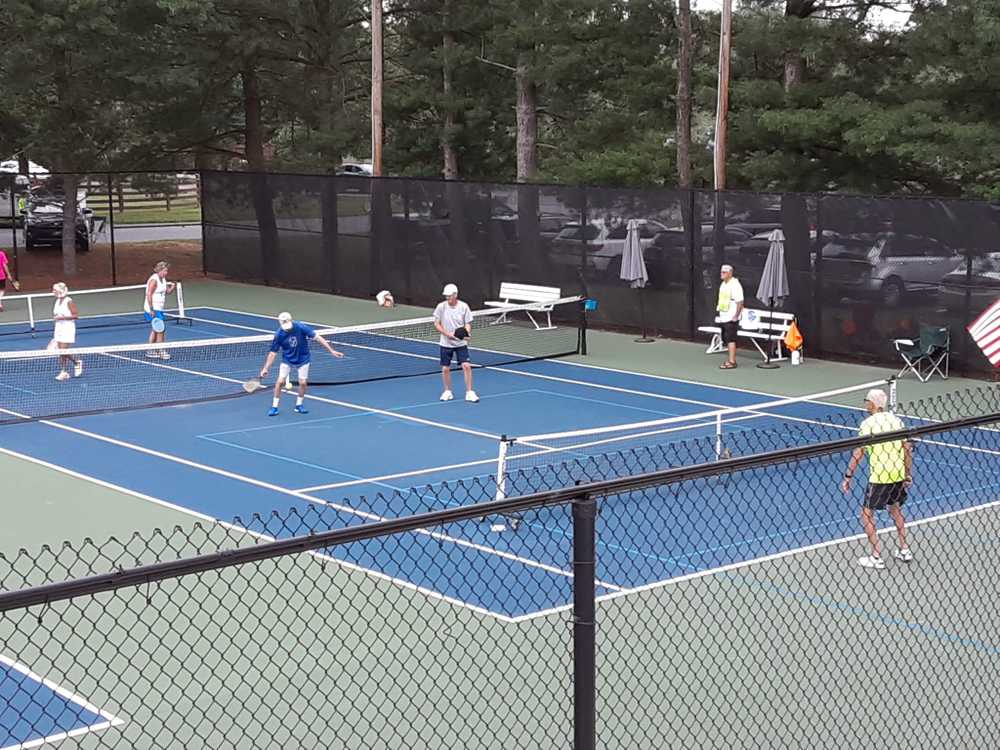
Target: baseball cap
<point x="877" y="397"/>
<point x="449" y="289"/>
<point x="726" y="267"/>
<point x="285" y="319"/>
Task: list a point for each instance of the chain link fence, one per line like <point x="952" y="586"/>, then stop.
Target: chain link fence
<point x="690" y="602"/>
<point x="125" y="223"/>
<point x="862" y="269"/>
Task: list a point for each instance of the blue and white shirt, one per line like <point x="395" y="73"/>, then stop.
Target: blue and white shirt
<point x="294" y="344"/>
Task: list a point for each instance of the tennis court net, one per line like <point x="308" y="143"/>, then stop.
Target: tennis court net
<point x="560" y="459"/>
<point x="31" y="314"/>
<point x="135" y="376"/>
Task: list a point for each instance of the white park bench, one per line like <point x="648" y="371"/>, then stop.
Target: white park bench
<point x="758" y="326"/>
<point x="518" y="294"/>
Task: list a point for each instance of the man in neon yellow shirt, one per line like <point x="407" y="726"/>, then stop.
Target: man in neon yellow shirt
<point x="729" y="309"/>
<point x="890" y="475"/>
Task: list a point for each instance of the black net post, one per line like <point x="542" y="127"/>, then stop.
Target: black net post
<point x="584" y="625"/>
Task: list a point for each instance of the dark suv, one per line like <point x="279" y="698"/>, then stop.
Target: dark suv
<point x="43" y="225"/>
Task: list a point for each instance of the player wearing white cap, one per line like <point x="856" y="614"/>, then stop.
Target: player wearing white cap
<point x="890" y="466"/>
<point x="292" y="340"/>
<point x="453" y="320"/>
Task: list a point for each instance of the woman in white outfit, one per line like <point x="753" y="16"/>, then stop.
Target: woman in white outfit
<point x="64" y="313"/>
<point x="154" y="304"/>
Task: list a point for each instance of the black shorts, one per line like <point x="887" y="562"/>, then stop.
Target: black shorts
<point x="461" y="353"/>
<point x="878" y="496"/>
<point x="729" y="332"/>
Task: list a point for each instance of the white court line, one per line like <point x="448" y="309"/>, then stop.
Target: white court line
<point x="757" y="561"/>
<point x="109" y="720"/>
<point x="370" y="517"/>
<point x="586" y="383"/>
<point x="257" y="535"/>
<point x="323" y="399"/>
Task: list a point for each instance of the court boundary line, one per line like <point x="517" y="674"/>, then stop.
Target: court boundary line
<point x="563" y="361"/>
<point x="322" y="557"/>
<point x="110" y="720"/>
<point x="754" y="562"/>
<point x="323" y="399"/>
<point x="367" y="516"/>
<point x="605" y="368"/>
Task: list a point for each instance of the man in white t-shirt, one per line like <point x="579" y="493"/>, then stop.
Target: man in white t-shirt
<point x="453" y="320"/>
<point x="729" y="309"/>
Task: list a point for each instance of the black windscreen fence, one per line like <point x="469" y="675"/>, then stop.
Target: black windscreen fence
<point x="862" y="270"/>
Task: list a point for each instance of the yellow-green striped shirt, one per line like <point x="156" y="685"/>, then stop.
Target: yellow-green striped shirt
<point x="886" y="461"/>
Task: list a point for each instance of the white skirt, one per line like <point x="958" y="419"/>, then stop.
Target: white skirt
<point x="65" y="332"/>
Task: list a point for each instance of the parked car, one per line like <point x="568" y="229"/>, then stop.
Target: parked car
<point x="983" y="285"/>
<point x="549" y="227"/>
<point x="43" y="226"/>
<point x="667" y="258"/>
<point x="603" y="245"/>
<point x="885" y="267"/>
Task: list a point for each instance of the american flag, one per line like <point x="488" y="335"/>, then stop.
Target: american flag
<point x="985" y="331"/>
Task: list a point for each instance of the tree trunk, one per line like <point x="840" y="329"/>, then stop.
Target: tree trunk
<point x="684" y="100"/>
<point x="448" y="151"/>
<point x="795" y="66"/>
<point x="70" y="184"/>
<point x="254" y="150"/>
<point x="527" y="122"/>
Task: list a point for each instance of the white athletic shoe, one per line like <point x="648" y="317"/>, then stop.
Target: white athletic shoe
<point x="151" y="354"/>
<point x="471" y="396"/>
<point x="62" y="375"/>
<point x="164" y="354"/>
<point x="872" y="562"/>
<point x="78" y="369"/>
<point x="903" y="555"/>
<point x="447" y="396"/>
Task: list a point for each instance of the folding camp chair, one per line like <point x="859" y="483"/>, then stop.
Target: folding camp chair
<point x="926" y="356"/>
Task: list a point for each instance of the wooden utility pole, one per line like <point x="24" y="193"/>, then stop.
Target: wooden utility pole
<point x="684" y="101"/>
<point x="377" y="128"/>
<point x="722" y="105"/>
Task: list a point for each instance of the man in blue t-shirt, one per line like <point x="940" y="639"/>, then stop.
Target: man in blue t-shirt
<point x="292" y="340"/>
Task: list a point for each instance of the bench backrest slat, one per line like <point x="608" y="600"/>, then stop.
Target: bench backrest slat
<point x="773" y="321"/>
<point x="529" y="292"/>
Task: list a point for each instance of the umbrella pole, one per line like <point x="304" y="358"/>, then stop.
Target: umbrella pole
<point x="767" y="364"/>
<point x="644" y="339"/>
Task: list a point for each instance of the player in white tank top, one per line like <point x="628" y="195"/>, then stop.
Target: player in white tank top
<point x="64" y="315"/>
<point x="154" y="304"/>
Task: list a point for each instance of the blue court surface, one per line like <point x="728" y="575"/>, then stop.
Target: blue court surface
<point x="382" y="449"/>
<point x="35" y="711"/>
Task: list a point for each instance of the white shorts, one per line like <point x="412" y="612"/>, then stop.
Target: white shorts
<point x="301" y="372"/>
<point x="64" y="332"/>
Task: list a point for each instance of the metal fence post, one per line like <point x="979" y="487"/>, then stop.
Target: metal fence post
<point x="693" y="267"/>
<point x="584" y="625"/>
<point x="201" y="213"/>
<point x="13" y="225"/>
<point x="111" y="230"/>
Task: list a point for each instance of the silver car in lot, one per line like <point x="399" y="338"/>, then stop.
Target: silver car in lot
<point x="601" y="245"/>
<point x="885" y="267"/>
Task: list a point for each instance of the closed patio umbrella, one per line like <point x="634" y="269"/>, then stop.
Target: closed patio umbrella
<point x="773" y="286"/>
<point x="634" y="272"/>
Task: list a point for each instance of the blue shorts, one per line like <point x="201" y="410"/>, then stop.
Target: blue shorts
<point x="155" y="314"/>
<point x="461" y="353"/>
